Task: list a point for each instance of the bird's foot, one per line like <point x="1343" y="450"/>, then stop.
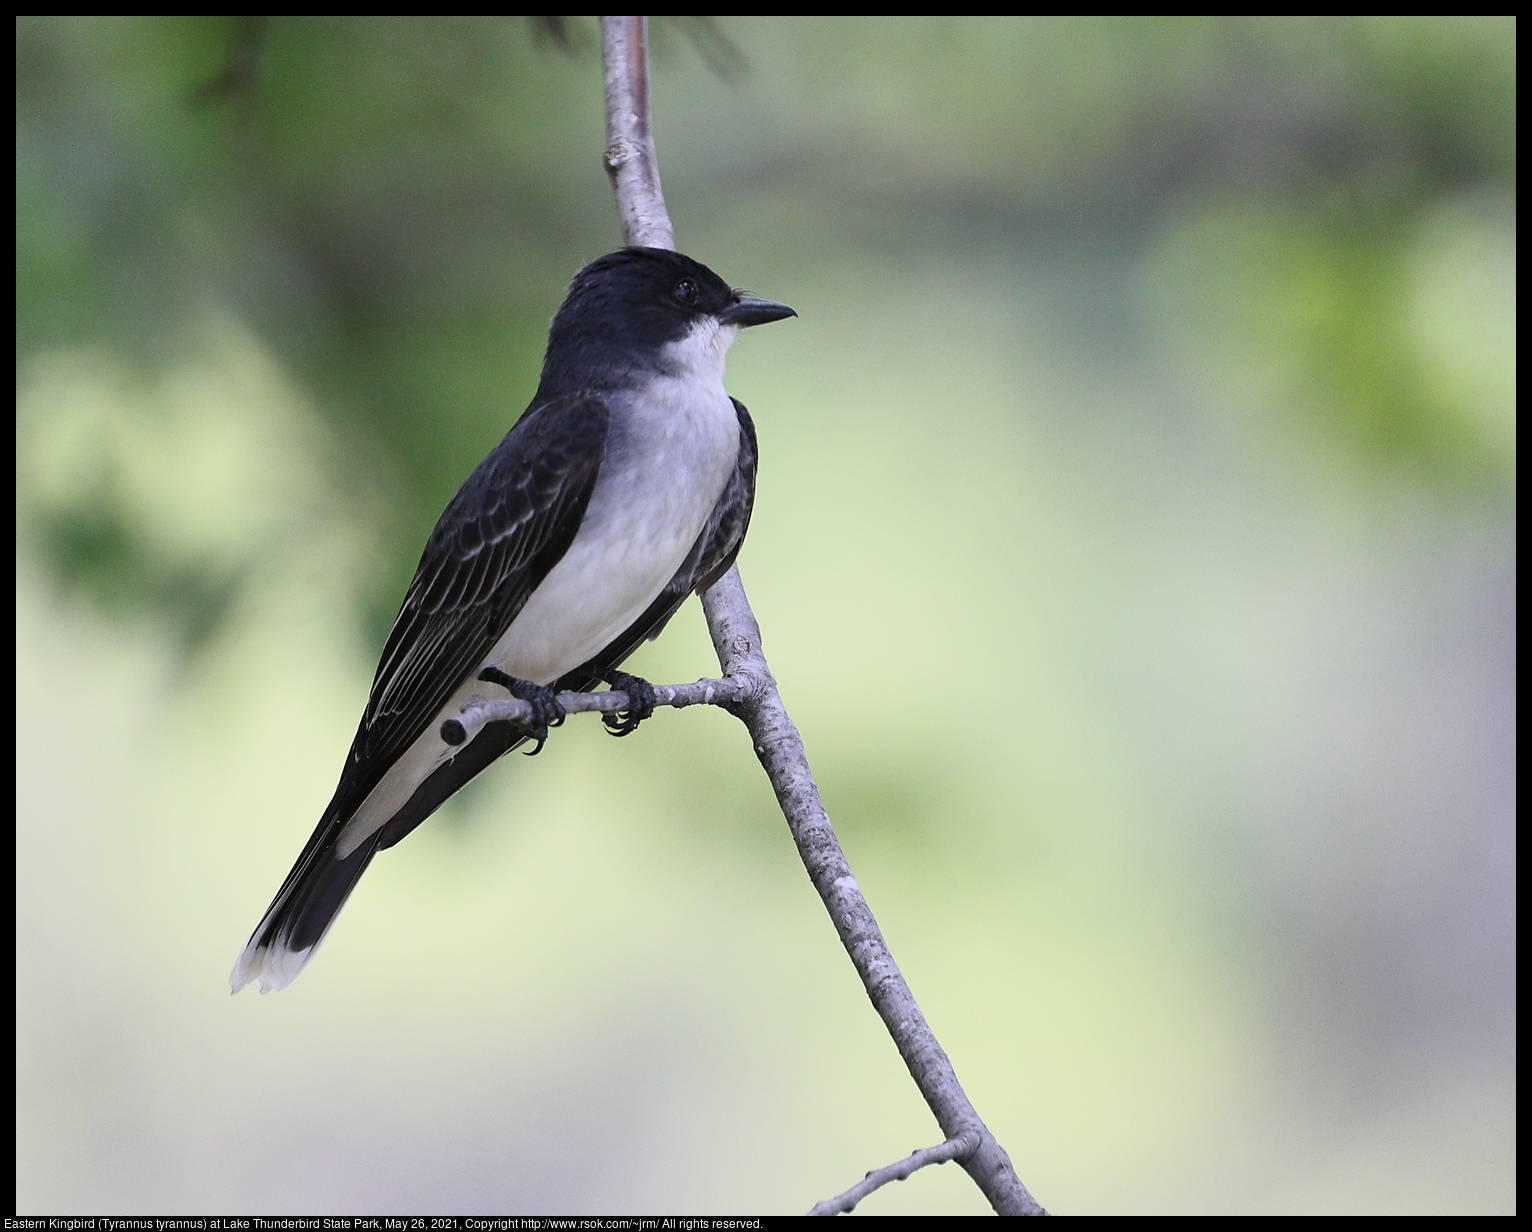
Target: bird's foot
<point x="546" y="711"/>
<point x="641" y="703"/>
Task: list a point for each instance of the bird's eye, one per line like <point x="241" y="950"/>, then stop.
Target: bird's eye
<point x="685" y="292"/>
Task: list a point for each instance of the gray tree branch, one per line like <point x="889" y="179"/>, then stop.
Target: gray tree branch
<point x="752" y="694"/>
<point x="630" y="159"/>
<point x="478" y="710"/>
<point x="953" y="1148"/>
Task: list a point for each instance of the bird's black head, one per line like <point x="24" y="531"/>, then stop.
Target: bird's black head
<point x="640" y="311"/>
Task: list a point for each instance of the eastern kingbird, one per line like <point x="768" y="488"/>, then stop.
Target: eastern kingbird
<point x="625" y="487"/>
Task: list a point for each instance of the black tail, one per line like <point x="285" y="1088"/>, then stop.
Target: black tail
<point x="302" y="911"/>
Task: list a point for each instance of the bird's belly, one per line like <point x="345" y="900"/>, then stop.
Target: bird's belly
<point x="595" y="592"/>
<point x="600" y="587"/>
<point x="635" y="535"/>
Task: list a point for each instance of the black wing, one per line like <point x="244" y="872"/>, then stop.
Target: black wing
<point x="508" y="525"/>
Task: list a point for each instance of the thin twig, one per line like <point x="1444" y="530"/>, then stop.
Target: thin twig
<point x="737" y="639"/>
<point x="953" y="1148"/>
<point x="478" y="710"/>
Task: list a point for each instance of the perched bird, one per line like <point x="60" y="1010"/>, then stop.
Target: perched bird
<point x="625" y="486"/>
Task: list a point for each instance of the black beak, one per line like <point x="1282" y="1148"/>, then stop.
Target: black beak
<point x="743" y="312"/>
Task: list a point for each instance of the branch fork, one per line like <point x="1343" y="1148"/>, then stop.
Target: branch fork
<point x="959" y="1148"/>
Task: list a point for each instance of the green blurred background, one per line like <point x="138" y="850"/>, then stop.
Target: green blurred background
<point x="1134" y="547"/>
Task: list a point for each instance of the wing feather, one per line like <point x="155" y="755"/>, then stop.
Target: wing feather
<point x="508" y="525"/>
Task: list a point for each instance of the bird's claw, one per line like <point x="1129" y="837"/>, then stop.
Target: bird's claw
<point x="546" y="711"/>
<point x="641" y="703"/>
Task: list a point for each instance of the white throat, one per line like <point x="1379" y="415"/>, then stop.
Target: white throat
<point x="698" y="358"/>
